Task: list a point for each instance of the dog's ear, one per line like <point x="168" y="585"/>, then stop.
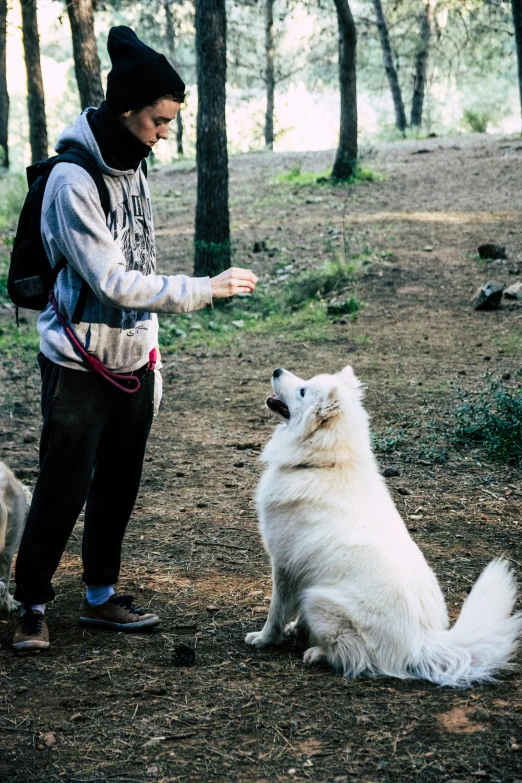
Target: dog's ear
<point x="329" y="406"/>
<point x="349" y="379"/>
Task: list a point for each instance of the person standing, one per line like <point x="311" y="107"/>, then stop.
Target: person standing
<point x="94" y="435"/>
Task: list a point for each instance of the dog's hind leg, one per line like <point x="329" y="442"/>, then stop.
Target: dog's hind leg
<point x="337" y="640"/>
<point x="7" y="602"/>
<point x="283" y="607"/>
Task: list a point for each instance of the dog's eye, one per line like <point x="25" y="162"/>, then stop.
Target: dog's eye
<point x="302" y="392"/>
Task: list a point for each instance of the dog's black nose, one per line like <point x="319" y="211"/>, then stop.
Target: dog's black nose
<point x="277" y="373"/>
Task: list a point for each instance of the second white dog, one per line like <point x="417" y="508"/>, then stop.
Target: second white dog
<point x="15" y="500"/>
<point x="344" y="562"/>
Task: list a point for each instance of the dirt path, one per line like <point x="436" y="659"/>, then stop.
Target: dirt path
<point x="116" y="706"/>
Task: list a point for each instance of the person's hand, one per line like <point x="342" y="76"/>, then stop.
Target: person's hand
<point x="232" y="281"/>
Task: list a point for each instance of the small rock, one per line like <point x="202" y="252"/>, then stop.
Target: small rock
<point x="48" y="738"/>
<point x="238" y="324"/>
<point x="244" y="668"/>
<point x="491" y="252"/>
<point x="391" y="472"/>
<point x="183" y="655"/>
<point x="180" y="333"/>
<point x="201" y="504"/>
<point x="489" y="296"/>
<point x="239" y="464"/>
<point x="212" y="608"/>
<point x="428" y="249"/>
<point x="259" y="247"/>
<point x="77" y="716"/>
<point x="196" y="326"/>
<point x="154" y="741"/>
<point x="506" y="376"/>
<point x="514" y="291"/>
<point x="316" y="200"/>
<point x="403" y="491"/>
<point x="29" y="437"/>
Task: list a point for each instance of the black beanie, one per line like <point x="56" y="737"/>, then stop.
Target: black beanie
<point x="139" y="75"/>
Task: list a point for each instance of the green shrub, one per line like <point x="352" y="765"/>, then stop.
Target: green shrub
<point x="317" y="283"/>
<point x="492" y="420"/>
<point x="476" y="121"/>
<point x="13" y="190"/>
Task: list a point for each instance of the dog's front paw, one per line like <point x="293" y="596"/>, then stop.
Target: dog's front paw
<point x="258" y="639"/>
<point x="314" y="655"/>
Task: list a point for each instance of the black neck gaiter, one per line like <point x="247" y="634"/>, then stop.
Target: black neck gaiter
<point x="119" y="148"/>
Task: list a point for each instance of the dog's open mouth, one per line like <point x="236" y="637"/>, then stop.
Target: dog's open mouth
<point x="277" y="406"/>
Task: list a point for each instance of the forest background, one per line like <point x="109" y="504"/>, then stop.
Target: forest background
<point x="471" y="73"/>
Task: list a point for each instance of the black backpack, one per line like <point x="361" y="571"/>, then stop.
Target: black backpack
<point x="31" y="275"/>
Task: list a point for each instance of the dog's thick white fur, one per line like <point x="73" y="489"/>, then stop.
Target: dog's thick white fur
<point x="15" y="500"/>
<point x="344" y="562"/>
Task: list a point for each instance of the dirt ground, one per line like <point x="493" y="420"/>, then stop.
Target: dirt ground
<point x="103" y="707"/>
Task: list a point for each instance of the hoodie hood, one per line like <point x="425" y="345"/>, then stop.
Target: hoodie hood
<point x="79" y="134"/>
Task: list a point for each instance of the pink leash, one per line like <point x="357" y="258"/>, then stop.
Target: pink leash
<point x="114" y="378"/>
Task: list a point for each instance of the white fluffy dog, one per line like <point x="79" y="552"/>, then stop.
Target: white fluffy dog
<point x="15" y="500"/>
<point x="343" y="560"/>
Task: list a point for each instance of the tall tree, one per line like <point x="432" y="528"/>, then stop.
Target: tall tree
<point x="346" y="158"/>
<point x="171" y="45"/>
<point x="212" y="240"/>
<point x="516" y="7"/>
<point x="389" y="67"/>
<point x="4" y="95"/>
<point x="35" y="91"/>
<point x="421" y="63"/>
<point x="269" y="74"/>
<point x="86" y="60"/>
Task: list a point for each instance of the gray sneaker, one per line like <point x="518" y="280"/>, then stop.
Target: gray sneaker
<point x="118" y="613"/>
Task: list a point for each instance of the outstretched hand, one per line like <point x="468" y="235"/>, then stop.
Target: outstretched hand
<point x="232" y="281"/>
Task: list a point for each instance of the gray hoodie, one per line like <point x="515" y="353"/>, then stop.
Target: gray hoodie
<point x="116" y="257"/>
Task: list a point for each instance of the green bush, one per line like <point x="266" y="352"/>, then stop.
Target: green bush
<point x="317" y="283"/>
<point x="492" y="420"/>
<point x="13" y="190"/>
<point x="476" y="121"/>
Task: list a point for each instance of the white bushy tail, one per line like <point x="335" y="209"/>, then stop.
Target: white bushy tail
<point x="485" y="637"/>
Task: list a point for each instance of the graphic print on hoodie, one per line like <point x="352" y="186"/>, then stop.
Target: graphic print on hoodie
<point x="116" y="257"/>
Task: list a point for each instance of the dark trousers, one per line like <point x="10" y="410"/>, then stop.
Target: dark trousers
<point x="91" y="451"/>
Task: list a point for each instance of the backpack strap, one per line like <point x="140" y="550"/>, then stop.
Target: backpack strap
<point x="82" y="158"/>
<point x="144" y="167"/>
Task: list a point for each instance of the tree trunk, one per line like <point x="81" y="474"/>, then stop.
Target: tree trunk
<point x="389" y="67"/>
<point x="346" y="158"/>
<point x="516" y="6"/>
<point x="269" y="74"/>
<point x="171" y="44"/>
<point x="421" y="64"/>
<point x="4" y="95"/>
<point x="212" y="242"/>
<point x="179" y="134"/>
<point x="35" y="91"/>
<point x="86" y="60"/>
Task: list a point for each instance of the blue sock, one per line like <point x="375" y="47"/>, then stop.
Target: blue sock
<point x="34" y="607"/>
<point x="98" y="594"/>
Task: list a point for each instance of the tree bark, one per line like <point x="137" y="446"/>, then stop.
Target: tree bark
<point x="346" y="158"/>
<point x="421" y="64"/>
<point x="516" y="7"/>
<point x="4" y="95"/>
<point x="269" y="74"/>
<point x="171" y="45"/>
<point x="86" y="60"/>
<point x="35" y="91"/>
<point x="212" y="241"/>
<point x="389" y="67"/>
